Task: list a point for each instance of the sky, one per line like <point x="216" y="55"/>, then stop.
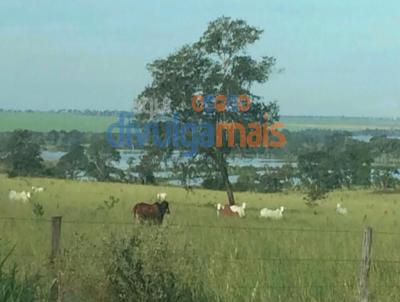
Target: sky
<point x="338" y="57"/>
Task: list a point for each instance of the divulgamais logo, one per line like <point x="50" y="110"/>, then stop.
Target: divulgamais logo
<point x="191" y="136"/>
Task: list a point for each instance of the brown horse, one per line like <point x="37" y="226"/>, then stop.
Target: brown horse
<point x="150" y="212"/>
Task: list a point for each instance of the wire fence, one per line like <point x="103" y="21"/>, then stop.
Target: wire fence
<point x="250" y="228"/>
<point x="352" y="285"/>
<point x="231" y="227"/>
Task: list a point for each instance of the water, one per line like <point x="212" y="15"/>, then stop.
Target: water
<point x="366" y="138"/>
<point x="52" y="155"/>
<point x="256" y="162"/>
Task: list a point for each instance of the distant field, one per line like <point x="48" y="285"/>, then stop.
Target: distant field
<point x="339" y="123"/>
<point x="310" y="255"/>
<point x="46" y="121"/>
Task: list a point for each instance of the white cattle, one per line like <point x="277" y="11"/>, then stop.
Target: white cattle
<point x="239" y="209"/>
<point x="340" y="210"/>
<point x="19" y="196"/>
<point x="37" y="189"/>
<point x="273" y="214"/>
<point x="161" y="196"/>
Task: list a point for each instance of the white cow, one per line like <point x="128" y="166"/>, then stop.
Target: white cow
<point x="273" y="214"/>
<point x="161" y="196"/>
<point x="340" y="210"/>
<point x="239" y="209"/>
<point x="19" y="196"/>
<point x="37" y="189"/>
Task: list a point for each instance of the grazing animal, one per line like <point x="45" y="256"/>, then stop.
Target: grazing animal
<point x="340" y="210"/>
<point x="150" y="212"/>
<point x="161" y="196"/>
<point x="225" y="211"/>
<point x="239" y="209"/>
<point x="37" y="189"/>
<point x="21" y="196"/>
<point x="273" y="214"/>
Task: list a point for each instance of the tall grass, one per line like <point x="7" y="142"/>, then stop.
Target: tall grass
<point x="307" y="256"/>
<point x="14" y="288"/>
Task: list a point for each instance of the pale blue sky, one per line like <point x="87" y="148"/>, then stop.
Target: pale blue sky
<point x="340" y="57"/>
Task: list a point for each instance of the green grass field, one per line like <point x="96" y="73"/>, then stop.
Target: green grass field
<point x="46" y="121"/>
<point x="306" y="256"/>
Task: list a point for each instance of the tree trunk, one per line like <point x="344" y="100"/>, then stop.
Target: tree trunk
<point x="223" y="168"/>
<point x="228" y="185"/>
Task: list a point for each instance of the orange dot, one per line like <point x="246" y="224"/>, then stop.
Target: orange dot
<point x="220" y="103"/>
<point x="195" y="106"/>
<point x="246" y="98"/>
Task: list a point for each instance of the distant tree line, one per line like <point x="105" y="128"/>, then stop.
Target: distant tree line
<point x="88" y="112"/>
<point x="298" y="142"/>
<point x="323" y="161"/>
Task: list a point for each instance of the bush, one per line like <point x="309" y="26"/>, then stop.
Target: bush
<point x="145" y="270"/>
<point x="385" y="178"/>
<point x="213" y="183"/>
<point x="13" y="289"/>
<point x="247" y="180"/>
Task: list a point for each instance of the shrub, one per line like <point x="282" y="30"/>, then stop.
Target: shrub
<point x="37" y="209"/>
<point x="13" y="289"/>
<point x="145" y="270"/>
<point x="247" y="180"/>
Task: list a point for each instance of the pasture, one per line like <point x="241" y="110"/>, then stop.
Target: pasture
<point x="47" y="121"/>
<point x="309" y="255"/>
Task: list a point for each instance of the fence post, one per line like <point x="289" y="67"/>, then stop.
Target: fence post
<point x="55" y="236"/>
<point x="365" y="264"/>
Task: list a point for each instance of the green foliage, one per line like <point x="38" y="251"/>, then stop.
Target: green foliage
<point x="148" y="164"/>
<point x="12" y="289"/>
<point x="22" y="155"/>
<point x="341" y="162"/>
<point x="101" y="156"/>
<point x="384" y="178"/>
<point x="318" y="173"/>
<point x="185" y="171"/>
<point x="109" y="204"/>
<point x="217" y="64"/>
<point x="213" y="182"/>
<point x="72" y="163"/>
<point x="247" y="180"/>
<point x="356" y="161"/>
<point x="37" y="209"/>
<point x="143" y="269"/>
<point x="276" y="179"/>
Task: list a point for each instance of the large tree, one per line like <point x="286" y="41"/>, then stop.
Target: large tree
<point x="217" y="64"/>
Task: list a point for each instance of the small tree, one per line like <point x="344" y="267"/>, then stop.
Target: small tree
<point x="385" y="178"/>
<point x="73" y="163"/>
<point x="146" y="168"/>
<point x="247" y="180"/>
<point x="102" y="159"/>
<point x="275" y="179"/>
<point x="22" y="155"/>
<point x="318" y="172"/>
<point x="356" y="162"/>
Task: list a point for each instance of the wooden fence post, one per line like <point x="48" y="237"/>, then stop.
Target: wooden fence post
<point x="365" y="264"/>
<point x="55" y="236"/>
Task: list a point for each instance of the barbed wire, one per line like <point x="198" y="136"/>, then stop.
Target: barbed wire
<point x="232" y="227"/>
